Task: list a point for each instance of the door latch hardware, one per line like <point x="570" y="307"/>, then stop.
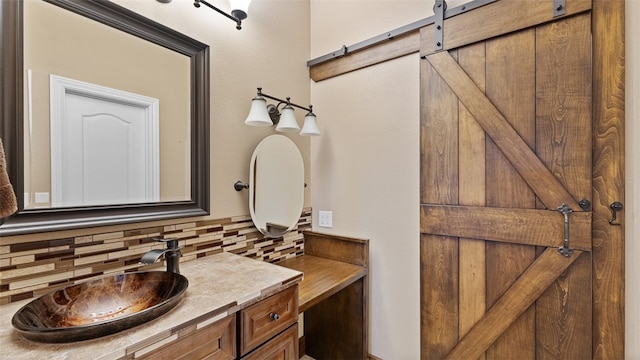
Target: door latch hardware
<point x="439" y="8"/>
<point x="615" y="207"/>
<point x="565" y="250"/>
<point x="559" y="7"/>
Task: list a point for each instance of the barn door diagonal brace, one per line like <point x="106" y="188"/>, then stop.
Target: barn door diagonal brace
<point x="565" y="250"/>
<point x="535" y="280"/>
<point x="509" y="142"/>
<point x="438" y="9"/>
<point x="559" y="7"/>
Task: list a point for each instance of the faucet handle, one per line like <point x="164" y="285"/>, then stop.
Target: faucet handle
<point x="164" y="240"/>
<point x="172" y="243"/>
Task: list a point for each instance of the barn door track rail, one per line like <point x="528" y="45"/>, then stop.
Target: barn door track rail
<point x="415" y="26"/>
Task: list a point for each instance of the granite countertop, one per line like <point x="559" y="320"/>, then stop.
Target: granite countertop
<point x="219" y="285"/>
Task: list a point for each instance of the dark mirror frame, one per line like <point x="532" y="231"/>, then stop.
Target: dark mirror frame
<point x="11" y="128"/>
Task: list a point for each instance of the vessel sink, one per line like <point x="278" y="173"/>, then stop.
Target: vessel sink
<point x="100" y="307"/>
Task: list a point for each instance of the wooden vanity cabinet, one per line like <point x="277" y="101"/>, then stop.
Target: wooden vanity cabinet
<point x="267" y="318"/>
<point x="265" y="330"/>
<point x="214" y="341"/>
<point x="282" y="347"/>
<point x="333" y="296"/>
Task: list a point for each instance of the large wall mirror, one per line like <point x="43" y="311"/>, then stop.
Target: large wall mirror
<point x="63" y="55"/>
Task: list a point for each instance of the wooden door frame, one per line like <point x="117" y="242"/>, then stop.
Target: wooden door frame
<point x="608" y="31"/>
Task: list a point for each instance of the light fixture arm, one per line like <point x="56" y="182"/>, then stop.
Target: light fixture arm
<point x="260" y="93"/>
<point x="238" y="21"/>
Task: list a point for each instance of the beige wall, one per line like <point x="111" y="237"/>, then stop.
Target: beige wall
<point x="365" y="166"/>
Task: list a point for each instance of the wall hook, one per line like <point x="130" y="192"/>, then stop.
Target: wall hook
<point x="615" y="207"/>
<point x="239" y="185"/>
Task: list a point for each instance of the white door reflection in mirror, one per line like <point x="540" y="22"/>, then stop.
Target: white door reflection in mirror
<point x="104" y="145"/>
<point x="276" y="188"/>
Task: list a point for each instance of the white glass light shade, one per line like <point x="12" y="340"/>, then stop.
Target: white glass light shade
<point x="240" y="8"/>
<point x="258" y="115"/>
<point x="310" y="127"/>
<point x="288" y="122"/>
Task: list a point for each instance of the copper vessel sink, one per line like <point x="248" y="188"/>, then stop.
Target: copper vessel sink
<point x="100" y="307"/>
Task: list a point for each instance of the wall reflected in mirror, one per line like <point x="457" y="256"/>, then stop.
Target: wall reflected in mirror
<point x="59" y="42"/>
<point x="276" y="186"/>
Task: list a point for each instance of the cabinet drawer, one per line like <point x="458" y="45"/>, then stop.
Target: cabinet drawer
<point x="282" y="347"/>
<point x="262" y="321"/>
<point x="213" y="342"/>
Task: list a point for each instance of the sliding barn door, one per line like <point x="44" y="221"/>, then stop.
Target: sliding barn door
<point x="506" y="188"/>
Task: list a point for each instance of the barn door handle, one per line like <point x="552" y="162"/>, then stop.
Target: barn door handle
<point x="565" y="250"/>
<point x="615" y="207"/>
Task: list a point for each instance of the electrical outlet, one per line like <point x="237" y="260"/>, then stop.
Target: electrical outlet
<point x="325" y="219"/>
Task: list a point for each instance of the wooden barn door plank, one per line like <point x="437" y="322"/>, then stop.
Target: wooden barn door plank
<point x="563" y="122"/>
<point x="438" y="254"/>
<point x="510" y="91"/>
<point x="472" y="145"/>
<point x="608" y="177"/>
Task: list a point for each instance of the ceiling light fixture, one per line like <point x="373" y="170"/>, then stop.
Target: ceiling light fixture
<point x="238" y="12"/>
<point x="262" y="114"/>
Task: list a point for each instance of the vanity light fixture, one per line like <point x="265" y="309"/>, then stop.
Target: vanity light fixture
<point x="263" y="114"/>
<point x="238" y="12"/>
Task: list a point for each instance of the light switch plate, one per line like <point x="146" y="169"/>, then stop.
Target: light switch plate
<point x="325" y="219"/>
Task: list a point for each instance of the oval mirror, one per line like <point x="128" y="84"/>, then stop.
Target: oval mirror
<point x="276" y="189"/>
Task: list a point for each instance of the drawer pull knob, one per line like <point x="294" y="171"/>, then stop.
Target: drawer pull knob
<point x="274" y="316"/>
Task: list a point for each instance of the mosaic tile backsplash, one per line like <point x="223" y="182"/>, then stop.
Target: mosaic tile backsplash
<point x="32" y="269"/>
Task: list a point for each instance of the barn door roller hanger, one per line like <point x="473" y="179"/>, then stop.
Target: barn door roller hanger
<point x="439" y="8"/>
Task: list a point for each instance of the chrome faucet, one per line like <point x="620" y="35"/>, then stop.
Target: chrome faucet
<point x="171" y="255"/>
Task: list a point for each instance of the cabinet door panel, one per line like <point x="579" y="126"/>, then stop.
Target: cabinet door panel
<point x="216" y="341"/>
<point x="282" y="347"/>
<point x="261" y="321"/>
